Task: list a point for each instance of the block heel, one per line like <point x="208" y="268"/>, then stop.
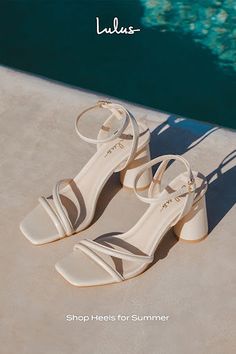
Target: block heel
<point x="128" y="175"/>
<point x="181" y="202"/>
<point x="193" y="227"/>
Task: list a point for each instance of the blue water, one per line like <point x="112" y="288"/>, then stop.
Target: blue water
<point x="210" y="23"/>
<point x="170" y="64"/>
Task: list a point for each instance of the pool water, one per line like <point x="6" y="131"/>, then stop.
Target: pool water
<point x="181" y="61"/>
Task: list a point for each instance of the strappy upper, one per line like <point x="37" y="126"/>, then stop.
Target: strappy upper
<point x="58" y="213"/>
<point x="188" y="188"/>
<point x="121" y="113"/>
<point x="98" y="252"/>
<point x="128" y="139"/>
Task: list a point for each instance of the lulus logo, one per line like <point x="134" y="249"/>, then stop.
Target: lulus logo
<point x="116" y="29"/>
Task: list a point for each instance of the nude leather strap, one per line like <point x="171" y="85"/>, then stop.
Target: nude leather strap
<point x="58" y="214"/>
<point x="187" y="189"/>
<point x="121" y="113"/>
<point x="96" y="258"/>
<point x="60" y="209"/>
<point x="128" y="256"/>
<point x="53" y="215"/>
<point x="115" y="112"/>
<point x="89" y="247"/>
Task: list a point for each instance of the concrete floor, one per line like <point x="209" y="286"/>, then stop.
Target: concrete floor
<point x="192" y="284"/>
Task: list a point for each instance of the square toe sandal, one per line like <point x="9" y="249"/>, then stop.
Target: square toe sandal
<point x="72" y="205"/>
<point x="113" y="259"/>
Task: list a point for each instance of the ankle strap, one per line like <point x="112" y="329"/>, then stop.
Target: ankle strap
<point x="188" y="189"/>
<point x="117" y="111"/>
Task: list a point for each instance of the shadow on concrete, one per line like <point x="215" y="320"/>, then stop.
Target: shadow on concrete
<point x="220" y="199"/>
<point x="174" y="136"/>
<point x="221" y="194"/>
<point x="111" y="188"/>
<point x="178" y="135"/>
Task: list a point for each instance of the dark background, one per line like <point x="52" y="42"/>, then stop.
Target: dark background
<point x="168" y="71"/>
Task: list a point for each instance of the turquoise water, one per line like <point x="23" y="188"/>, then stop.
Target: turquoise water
<point x="210" y="23"/>
<point x="182" y="61"/>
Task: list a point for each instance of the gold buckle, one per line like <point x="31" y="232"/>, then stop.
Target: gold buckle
<point x="191" y="182"/>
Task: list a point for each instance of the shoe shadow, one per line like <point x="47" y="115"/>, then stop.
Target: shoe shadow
<point x="220" y="198"/>
<point x="111" y="188"/>
<point x="110" y="240"/>
<point x="221" y="195"/>
<point x="174" y="136"/>
<point x="178" y="135"/>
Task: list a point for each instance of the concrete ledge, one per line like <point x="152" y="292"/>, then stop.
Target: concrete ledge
<point x="193" y="284"/>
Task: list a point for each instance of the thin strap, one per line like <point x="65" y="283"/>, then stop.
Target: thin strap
<point x="58" y="215"/>
<point x="53" y="215"/>
<point x="60" y="209"/>
<point x="97" y="259"/>
<point x="117" y="111"/>
<point x="188" y="189"/>
<point x="128" y="256"/>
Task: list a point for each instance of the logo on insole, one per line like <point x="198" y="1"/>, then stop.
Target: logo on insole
<point x="169" y="201"/>
<point x="115" y="147"/>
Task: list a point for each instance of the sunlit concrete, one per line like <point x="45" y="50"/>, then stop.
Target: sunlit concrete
<point x="193" y="286"/>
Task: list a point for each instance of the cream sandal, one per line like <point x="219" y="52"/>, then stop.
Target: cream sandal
<point x="71" y="209"/>
<point x="112" y="259"/>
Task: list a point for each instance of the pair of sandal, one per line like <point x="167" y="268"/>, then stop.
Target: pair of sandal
<point x="70" y="208"/>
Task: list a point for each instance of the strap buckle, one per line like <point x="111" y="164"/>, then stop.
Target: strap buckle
<point x="191" y="184"/>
